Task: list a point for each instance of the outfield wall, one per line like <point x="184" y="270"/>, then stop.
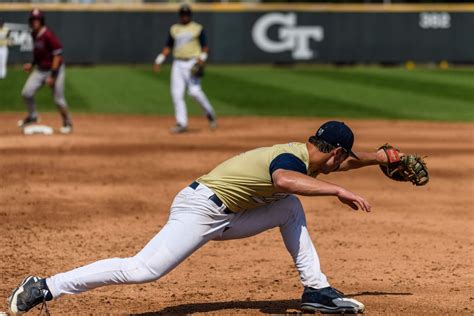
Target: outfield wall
<point x="240" y="33"/>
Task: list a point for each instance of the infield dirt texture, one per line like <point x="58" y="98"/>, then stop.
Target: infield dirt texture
<point x="104" y="191"/>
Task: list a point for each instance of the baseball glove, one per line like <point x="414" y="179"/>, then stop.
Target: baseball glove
<point x="410" y="168"/>
<point x="197" y="71"/>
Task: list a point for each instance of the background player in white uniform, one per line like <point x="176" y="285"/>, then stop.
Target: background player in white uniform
<point x="4" y="42"/>
<point x="188" y="43"/>
<point x="243" y="196"/>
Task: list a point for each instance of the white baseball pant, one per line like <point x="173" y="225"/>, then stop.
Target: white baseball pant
<point x="36" y="80"/>
<point x="194" y="220"/>
<point x="3" y="61"/>
<point x="180" y="80"/>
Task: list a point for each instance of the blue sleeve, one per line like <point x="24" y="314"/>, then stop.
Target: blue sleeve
<point x="202" y="39"/>
<point x="288" y="162"/>
<point x="170" y="41"/>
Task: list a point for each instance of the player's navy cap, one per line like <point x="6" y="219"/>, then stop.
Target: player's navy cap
<point x="185" y="10"/>
<point x="337" y="134"/>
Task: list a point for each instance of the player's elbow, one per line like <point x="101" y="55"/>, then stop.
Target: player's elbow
<point x="282" y="182"/>
<point x="58" y="58"/>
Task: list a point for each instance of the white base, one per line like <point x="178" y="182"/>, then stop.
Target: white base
<point x="38" y="130"/>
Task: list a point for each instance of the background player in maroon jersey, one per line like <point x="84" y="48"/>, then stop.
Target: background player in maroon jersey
<point x="48" y="65"/>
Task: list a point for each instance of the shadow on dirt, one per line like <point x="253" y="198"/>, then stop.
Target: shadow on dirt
<point x="267" y="307"/>
<point x="377" y="293"/>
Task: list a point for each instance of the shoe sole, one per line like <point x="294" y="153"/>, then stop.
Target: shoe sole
<point x="13" y="298"/>
<point x="323" y="309"/>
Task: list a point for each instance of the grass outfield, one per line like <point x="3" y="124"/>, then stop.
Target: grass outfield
<point x="355" y="92"/>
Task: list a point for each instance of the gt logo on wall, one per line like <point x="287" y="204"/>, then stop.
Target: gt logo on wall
<point x="291" y="37"/>
<point x="20" y="36"/>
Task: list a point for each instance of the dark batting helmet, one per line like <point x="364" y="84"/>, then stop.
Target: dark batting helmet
<point x="36" y="14"/>
<point x="184" y="10"/>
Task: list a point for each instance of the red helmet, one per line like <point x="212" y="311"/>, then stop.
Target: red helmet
<point x="36" y="14"/>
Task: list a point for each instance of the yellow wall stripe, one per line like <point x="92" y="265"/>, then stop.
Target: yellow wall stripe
<point x="239" y="7"/>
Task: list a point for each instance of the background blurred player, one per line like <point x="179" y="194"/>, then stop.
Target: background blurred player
<point x="188" y="42"/>
<point x="4" y="41"/>
<point x="49" y="68"/>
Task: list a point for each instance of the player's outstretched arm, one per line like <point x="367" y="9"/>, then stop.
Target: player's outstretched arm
<point x="365" y="159"/>
<point x="297" y="183"/>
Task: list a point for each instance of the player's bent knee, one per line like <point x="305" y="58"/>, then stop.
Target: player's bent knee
<point x="61" y="102"/>
<point x="293" y="206"/>
<point x="293" y="202"/>
<point x="194" y="92"/>
<point x="27" y="94"/>
<point x="177" y="96"/>
<point x="137" y="271"/>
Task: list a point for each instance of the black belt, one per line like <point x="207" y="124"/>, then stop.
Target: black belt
<point x="214" y="198"/>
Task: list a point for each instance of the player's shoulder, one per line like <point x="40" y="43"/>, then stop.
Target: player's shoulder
<point x="197" y="25"/>
<point x="294" y="148"/>
<point x="49" y="33"/>
<point x="291" y="146"/>
<point x="175" y="26"/>
<point x="191" y="26"/>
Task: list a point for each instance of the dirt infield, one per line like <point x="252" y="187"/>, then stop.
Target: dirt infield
<point x="105" y="191"/>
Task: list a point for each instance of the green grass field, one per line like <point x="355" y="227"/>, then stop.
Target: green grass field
<point x="353" y="92"/>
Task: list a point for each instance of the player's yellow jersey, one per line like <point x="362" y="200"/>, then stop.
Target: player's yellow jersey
<point x="4" y="36"/>
<point x="186" y="40"/>
<point x="244" y="181"/>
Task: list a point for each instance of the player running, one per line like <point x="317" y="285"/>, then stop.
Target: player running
<point x="188" y="42"/>
<point x="4" y="42"/>
<point x="49" y="68"/>
<point x="243" y="196"/>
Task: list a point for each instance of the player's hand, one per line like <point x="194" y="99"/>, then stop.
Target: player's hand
<point x="27" y="67"/>
<point x="156" y="68"/>
<point x="200" y="62"/>
<point x="382" y="157"/>
<point x="51" y="81"/>
<point x="353" y="200"/>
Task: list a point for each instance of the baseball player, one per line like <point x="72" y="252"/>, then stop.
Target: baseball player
<point x="188" y="42"/>
<point x="47" y="67"/>
<point x="4" y="41"/>
<point x="243" y="196"/>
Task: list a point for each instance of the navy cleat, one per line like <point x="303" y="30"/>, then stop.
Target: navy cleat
<point x="31" y="292"/>
<point x="27" y="120"/>
<point x="328" y="300"/>
<point x="178" y="129"/>
<point x="212" y="122"/>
